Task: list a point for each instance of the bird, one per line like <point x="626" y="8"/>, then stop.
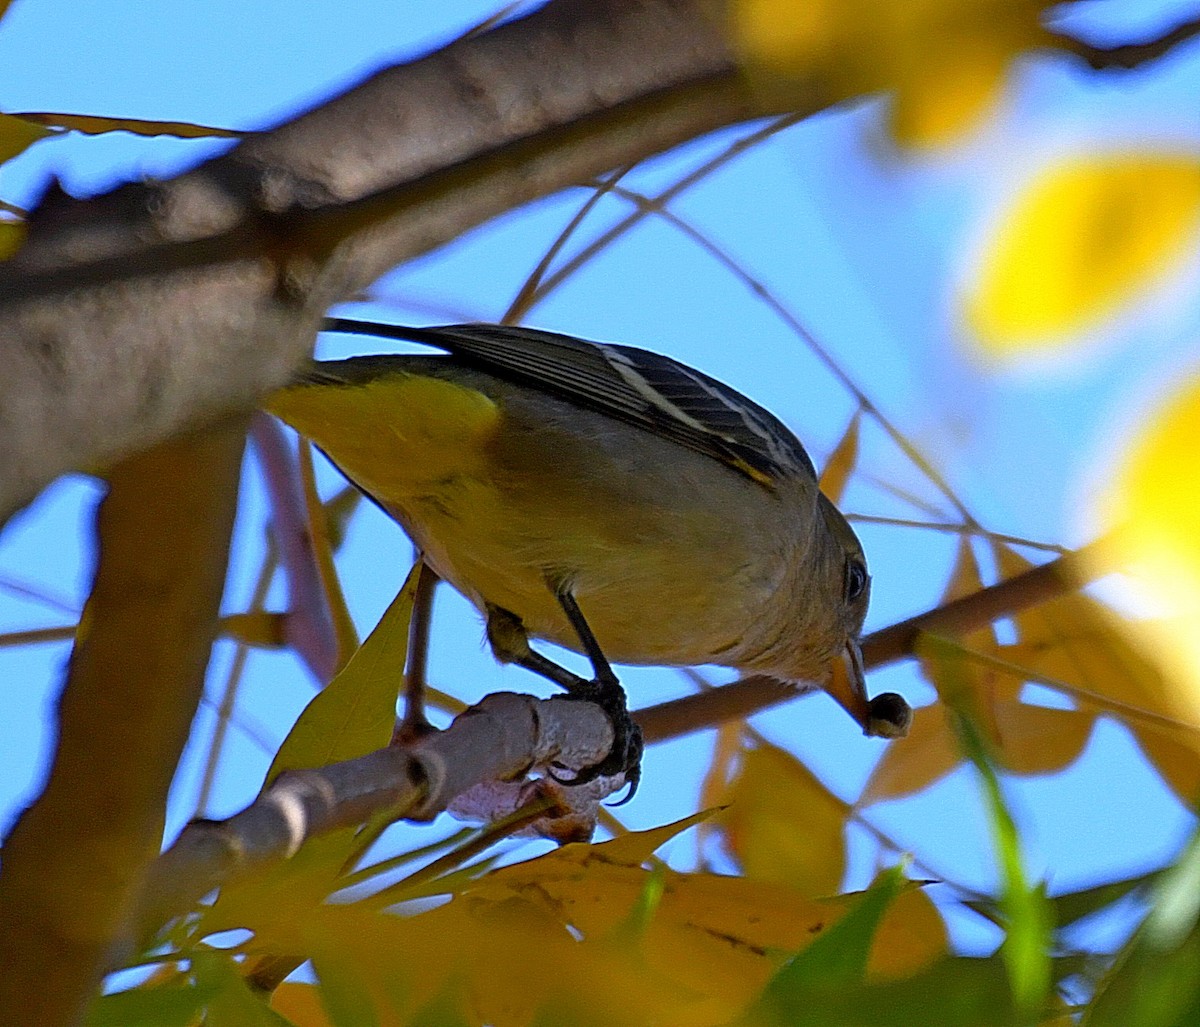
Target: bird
<point x="605" y="498"/>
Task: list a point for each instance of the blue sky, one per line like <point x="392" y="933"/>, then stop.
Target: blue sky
<point x="864" y="244"/>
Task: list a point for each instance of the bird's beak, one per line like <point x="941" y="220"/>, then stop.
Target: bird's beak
<point x="848" y="685"/>
<point x="885" y="716"/>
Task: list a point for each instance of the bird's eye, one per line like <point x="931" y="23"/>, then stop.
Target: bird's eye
<point x="856" y="579"/>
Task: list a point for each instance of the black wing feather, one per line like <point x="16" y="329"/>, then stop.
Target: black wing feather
<point x="636" y="386"/>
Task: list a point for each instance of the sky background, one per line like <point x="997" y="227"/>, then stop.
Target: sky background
<point x="869" y="247"/>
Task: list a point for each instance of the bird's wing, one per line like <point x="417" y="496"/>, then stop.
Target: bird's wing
<point x="633" y="385"/>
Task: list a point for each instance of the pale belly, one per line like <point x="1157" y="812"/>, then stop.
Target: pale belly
<point x="656" y="586"/>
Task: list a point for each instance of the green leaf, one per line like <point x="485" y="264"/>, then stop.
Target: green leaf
<point x="1027" y="916"/>
<point x="175" y="1005"/>
<point x="1073" y="906"/>
<point x="835" y="961"/>
<point x="955" y="992"/>
<point x="1155" y="981"/>
<point x="232" y="1003"/>
<point x="356" y="712"/>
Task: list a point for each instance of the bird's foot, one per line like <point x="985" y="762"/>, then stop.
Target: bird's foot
<point x="625" y="756"/>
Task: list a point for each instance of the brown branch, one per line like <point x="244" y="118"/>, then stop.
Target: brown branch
<point x="74" y="861"/>
<point x="1128" y="56"/>
<point x="753" y="694"/>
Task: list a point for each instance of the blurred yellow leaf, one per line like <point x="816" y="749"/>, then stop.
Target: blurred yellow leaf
<point x="1175" y="754"/>
<point x="17" y="135"/>
<point x="1040" y="740"/>
<point x="911" y="936"/>
<point x="1085" y="648"/>
<point x="1078" y="243"/>
<point x="783" y="825"/>
<point x="1154" y="507"/>
<point x="943" y="59"/>
<point x="12" y="235"/>
<point x="842" y="461"/>
<point x="983" y="682"/>
<point x="726" y="746"/>
<point x="1065" y="643"/>
<point x="263" y="629"/>
<point x="911" y="764"/>
<point x="301" y="1004"/>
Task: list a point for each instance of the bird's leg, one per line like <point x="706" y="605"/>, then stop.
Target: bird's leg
<point x="414" y="724"/>
<point x="510" y="643"/>
<point x="625" y="756"/>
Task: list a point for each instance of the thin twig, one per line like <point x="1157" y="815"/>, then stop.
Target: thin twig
<point x="237" y="668"/>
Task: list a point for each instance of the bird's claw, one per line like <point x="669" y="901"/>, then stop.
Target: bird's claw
<point x="625" y="756"/>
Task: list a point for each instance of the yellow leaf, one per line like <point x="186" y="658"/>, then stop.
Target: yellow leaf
<point x="12" y="235"/>
<point x="1175" y="754"/>
<point x="911" y="764"/>
<point x="985" y="685"/>
<point x="936" y="108"/>
<point x="1075" y="640"/>
<point x="301" y="1004"/>
<point x="635" y="847"/>
<point x="943" y="59"/>
<point x="1040" y="740"/>
<point x="842" y="461"/>
<point x="727" y="745"/>
<point x="1154" y="506"/>
<point x="356" y="712"/>
<point x="783" y="825"/>
<point x="263" y="629"/>
<point x="1079" y="242"/>
<point x="17" y="135"/>
<point x="911" y="936"/>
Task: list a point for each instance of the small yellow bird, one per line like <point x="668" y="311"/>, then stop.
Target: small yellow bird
<point x="606" y="498"/>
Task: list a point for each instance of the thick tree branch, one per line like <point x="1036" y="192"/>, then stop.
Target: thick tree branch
<point x="74" y="861"/>
<point x="232" y="265"/>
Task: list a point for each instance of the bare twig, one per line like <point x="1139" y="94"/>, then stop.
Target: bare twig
<point x="309" y="621"/>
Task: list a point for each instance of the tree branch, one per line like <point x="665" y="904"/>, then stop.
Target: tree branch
<point x="1129" y="55"/>
<point x="74" y="861"/>
<point x="232" y="265"/>
<point x="476" y="766"/>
